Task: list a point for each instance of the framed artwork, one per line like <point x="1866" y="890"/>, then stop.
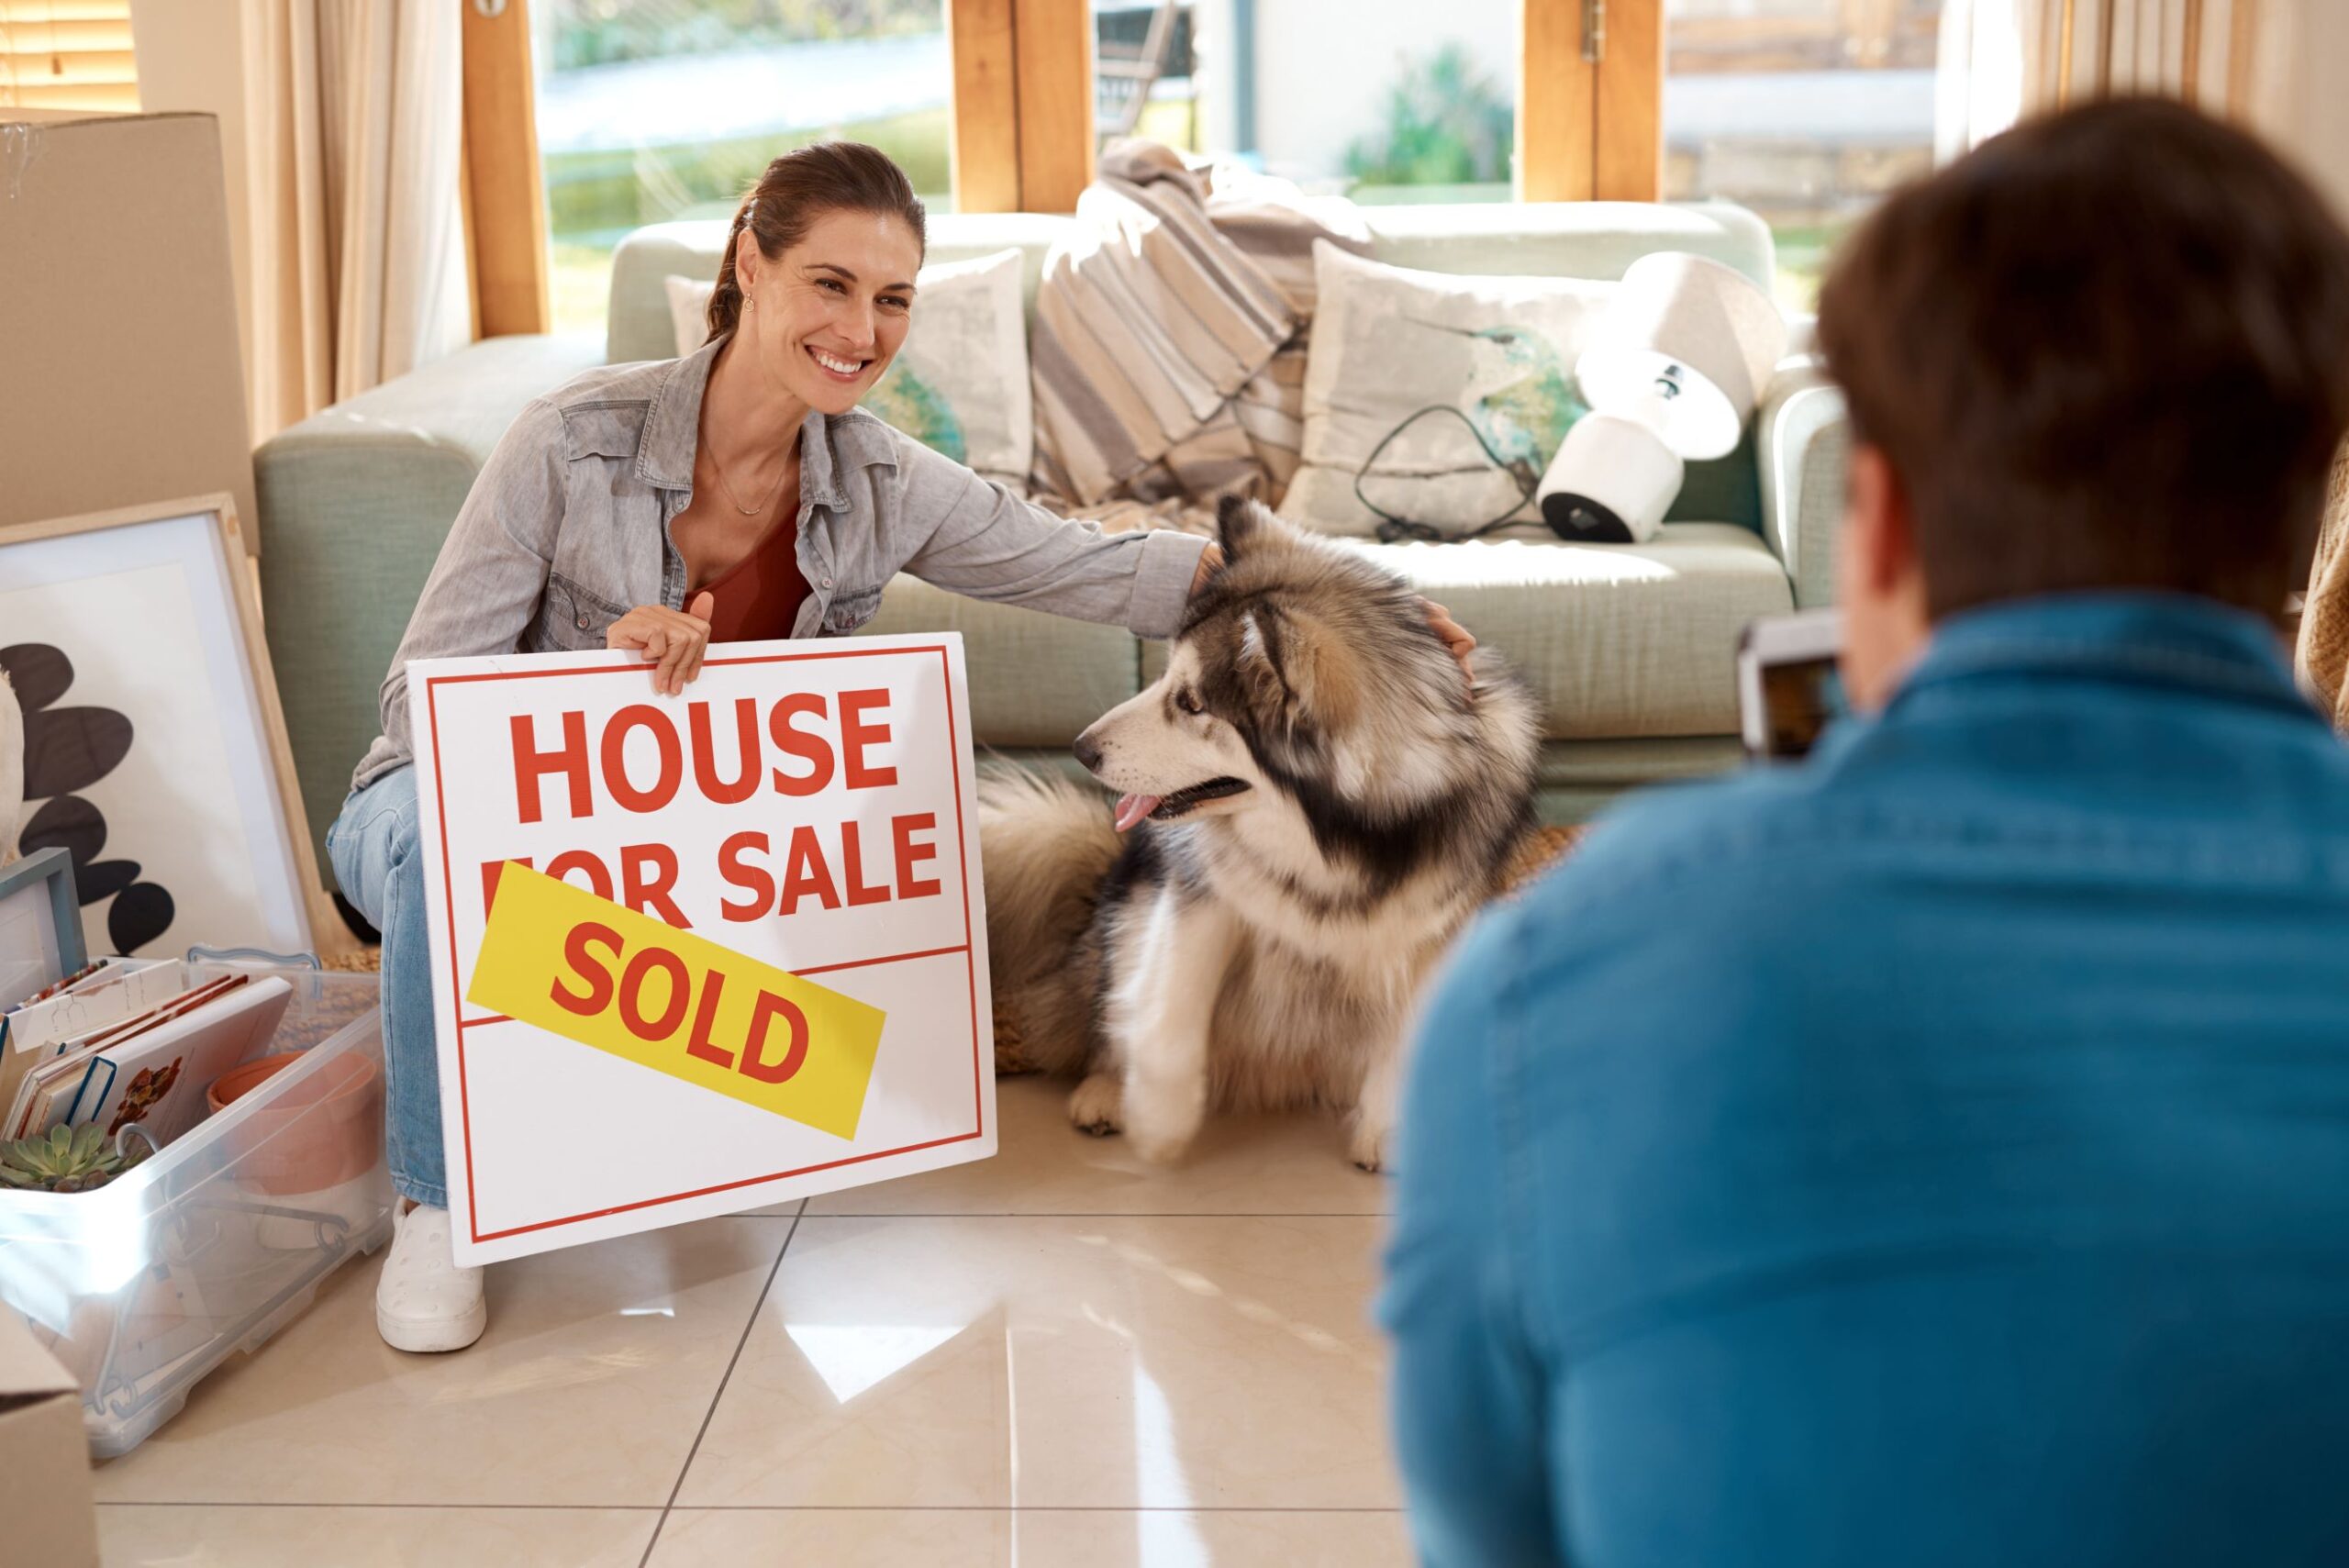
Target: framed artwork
<point x="155" y="751"/>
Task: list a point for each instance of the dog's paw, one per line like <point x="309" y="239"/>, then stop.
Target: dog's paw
<point x="1160" y="1146"/>
<point x="1371" y="1147"/>
<point x="1162" y="1119"/>
<point x="1099" y="1104"/>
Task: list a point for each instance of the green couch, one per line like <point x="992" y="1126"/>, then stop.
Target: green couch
<point x="1630" y="646"/>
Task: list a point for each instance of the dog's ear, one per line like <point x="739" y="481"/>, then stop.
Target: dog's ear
<point x="1291" y="668"/>
<point x="1243" y="525"/>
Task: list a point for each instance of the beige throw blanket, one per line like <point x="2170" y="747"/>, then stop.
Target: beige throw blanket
<point x="1168" y="347"/>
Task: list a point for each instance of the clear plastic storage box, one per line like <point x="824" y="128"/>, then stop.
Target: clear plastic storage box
<point x="218" y="1241"/>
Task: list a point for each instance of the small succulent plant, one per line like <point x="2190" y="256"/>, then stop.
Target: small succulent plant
<point x="64" y="1160"/>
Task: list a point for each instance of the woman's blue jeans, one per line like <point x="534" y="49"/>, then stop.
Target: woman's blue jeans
<point x="373" y="847"/>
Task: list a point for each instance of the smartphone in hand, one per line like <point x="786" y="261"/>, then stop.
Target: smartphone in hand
<point x="1788" y="684"/>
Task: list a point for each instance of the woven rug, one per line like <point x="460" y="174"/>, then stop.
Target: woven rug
<point x="1541" y="848"/>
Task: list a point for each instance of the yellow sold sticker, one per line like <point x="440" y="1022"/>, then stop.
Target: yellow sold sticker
<point x="560" y="958"/>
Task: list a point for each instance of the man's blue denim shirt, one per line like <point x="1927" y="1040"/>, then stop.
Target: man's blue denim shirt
<point x="1936" y="1151"/>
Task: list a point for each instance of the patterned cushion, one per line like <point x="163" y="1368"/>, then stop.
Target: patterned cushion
<point x="1432" y="398"/>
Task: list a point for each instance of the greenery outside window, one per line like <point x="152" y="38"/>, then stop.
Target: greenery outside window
<point x="1374" y="99"/>
<point x="653" y="110"/>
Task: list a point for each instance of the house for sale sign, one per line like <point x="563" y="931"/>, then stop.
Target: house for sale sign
<point x="699" y="953"/>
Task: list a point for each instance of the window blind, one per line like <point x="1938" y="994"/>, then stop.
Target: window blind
<point x="67" y="54"/>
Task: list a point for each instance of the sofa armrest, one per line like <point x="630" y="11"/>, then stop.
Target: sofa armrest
<point x="353" y="504"/>
<point x="1803" y="443"/>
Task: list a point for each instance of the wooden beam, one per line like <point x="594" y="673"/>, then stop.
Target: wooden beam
<point x="985" y="153"/>
<point x="507" y="189"/>
<point x="2063" y="19"/>
<point x="2190" y="88"/>
<point x="473" y="252"/>
<point x="1053" y="51"/>
<point x="1557" y="98"/>
<point x="2242" y="52"/>
<point x="1628" y="166"/>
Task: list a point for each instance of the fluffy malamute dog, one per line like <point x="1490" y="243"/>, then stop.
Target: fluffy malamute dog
<point x="1315" y="804"/>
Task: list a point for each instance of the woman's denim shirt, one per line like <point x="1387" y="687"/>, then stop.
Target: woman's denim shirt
<point x="567" y="529"/>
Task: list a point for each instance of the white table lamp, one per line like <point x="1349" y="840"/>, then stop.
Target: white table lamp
<point x="1677" y="362"/>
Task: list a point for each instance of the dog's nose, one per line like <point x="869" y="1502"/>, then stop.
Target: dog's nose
<point x="1088" y="752"/>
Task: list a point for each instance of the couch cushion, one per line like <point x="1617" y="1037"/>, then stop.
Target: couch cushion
<point x="1036" y="679"/>
<point x="1618" y="641"/>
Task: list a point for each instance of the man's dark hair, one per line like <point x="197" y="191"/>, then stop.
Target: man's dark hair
<point x="2108" y="349"/>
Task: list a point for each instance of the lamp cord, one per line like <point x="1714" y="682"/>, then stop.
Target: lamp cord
<point x="1392" y="530"/>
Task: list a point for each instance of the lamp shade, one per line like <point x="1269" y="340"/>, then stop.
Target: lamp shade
<point x="1704" y="335"/>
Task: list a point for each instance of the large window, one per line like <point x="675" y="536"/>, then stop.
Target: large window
<point x="1807" y="111"/>
<point x="1382" y="100"/>
<point x="650" y="110"/>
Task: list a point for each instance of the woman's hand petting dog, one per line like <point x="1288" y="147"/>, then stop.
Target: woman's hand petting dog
<point x="673" y="641"/>
<point x="1458" y="639"/>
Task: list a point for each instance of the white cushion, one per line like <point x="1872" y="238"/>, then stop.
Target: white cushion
<point x="1434" y="398"/>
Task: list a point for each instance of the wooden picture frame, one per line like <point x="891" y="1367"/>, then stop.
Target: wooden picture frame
<point x="160" y="604"/>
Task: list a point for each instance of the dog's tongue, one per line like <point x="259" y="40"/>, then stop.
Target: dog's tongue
<point x="1132" y="808"/>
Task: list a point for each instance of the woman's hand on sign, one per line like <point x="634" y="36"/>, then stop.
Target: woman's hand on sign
<point x="674" y="642"/>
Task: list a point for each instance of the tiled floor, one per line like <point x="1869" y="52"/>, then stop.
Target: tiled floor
<point x="1058" y="1357"/>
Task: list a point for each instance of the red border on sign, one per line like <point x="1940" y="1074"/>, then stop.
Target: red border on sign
<point x="970" y="963"/>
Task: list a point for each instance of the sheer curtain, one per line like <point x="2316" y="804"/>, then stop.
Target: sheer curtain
<point x="354" y="136"/>
<point x="2005" y="59"/>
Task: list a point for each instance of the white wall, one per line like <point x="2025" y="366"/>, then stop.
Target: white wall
<point x="1323" y="67"/>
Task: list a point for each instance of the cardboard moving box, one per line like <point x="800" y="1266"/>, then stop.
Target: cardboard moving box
<point x="125" y="379"/>
<point x="47" y="1516"/>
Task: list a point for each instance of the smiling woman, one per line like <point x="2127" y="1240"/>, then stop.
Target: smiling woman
<point x="739" y="492"/>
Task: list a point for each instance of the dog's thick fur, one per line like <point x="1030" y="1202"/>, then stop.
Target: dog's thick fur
<point x="1338" y="803"/>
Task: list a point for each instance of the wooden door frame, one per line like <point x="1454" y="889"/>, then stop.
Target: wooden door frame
<point x="503" y="187"/>
<point x="1023" y="104"/>
<point x="1590" y="101"/>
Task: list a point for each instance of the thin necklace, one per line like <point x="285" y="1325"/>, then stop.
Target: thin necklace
<point x="735" y="496"/>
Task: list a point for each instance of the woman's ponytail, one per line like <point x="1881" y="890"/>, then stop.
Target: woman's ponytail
<point x="726" y="301"/>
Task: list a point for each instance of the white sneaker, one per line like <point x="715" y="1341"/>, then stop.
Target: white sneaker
<point x="423" y="1300"/>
